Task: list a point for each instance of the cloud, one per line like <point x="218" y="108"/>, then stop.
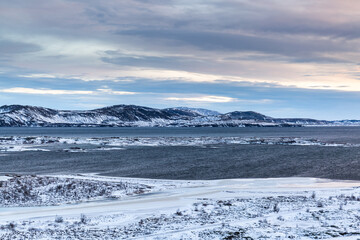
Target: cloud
<point x="210" y="99"/>
<point x="159" y="62"/>
<point x="278" y="77"/>
<point x="39" y="75"/>
<point x="41" y="91"/>
<point x="110" y="91"/>
<point x="45" y="91"/>
<point x="223" y="41"/>
<point x="218" y="99"/>
<point x="8" y="47"/>
<point x="94" y="76"/>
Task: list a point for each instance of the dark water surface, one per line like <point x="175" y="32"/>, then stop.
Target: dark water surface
<point x="195" y="162"/>
<point x="331" y="134"/>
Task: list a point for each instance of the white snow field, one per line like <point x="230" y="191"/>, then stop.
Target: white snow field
<point x="127" y="208"/>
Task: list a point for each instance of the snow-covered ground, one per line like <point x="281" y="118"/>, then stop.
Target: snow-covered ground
<point x="40" y="143"/>
<point x="283" y="208"/>
<point x="33" y="190"/>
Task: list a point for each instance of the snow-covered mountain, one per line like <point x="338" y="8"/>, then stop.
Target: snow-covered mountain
<point x="200" y="111"/>
<point x="137" y="116"/>
<point x="250" y="115"/>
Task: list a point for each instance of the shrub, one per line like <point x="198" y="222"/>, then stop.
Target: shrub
<point x="59" y="219"/>
<point x="11" y="226"/>
<point x="83" y="219"/>
<point x="276" y="208"/>
<point x="313" y="195"/>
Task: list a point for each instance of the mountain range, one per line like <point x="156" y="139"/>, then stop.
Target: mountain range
<point x="139" y="116"/>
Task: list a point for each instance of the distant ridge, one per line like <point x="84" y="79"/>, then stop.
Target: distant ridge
<point x="139" y="116"/>
<point x="201" y="111"/>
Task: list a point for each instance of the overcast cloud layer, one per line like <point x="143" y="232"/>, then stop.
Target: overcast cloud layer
<point x="282" y="58"/>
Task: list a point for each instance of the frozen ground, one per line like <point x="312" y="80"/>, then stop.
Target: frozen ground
<point x="283" y="208"/>
<point x="46" y="143"/>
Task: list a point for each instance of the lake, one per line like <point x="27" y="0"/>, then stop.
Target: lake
<point x="194" y="162"/>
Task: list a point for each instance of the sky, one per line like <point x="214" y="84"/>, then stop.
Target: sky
<point x="280" y="58"/>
